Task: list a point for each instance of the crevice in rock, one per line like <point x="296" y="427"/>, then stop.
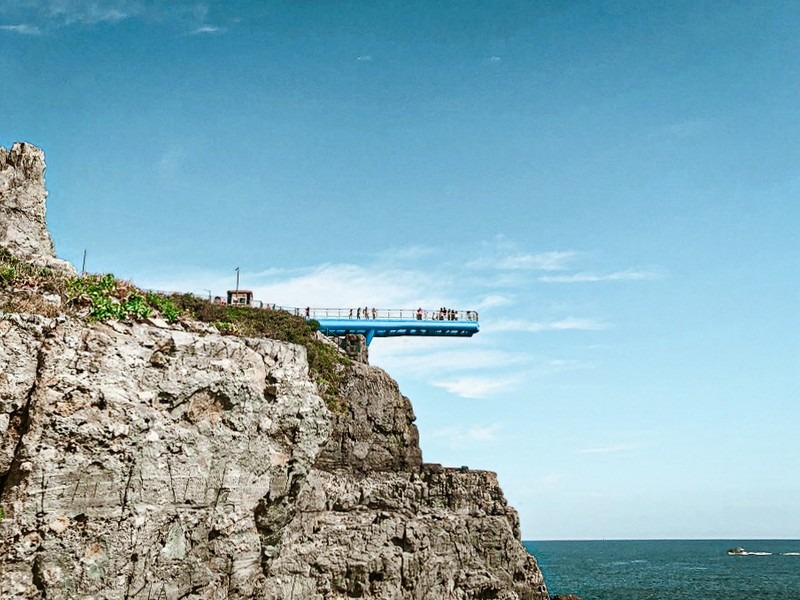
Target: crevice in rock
<point x="275" y="511"/>
<point x="37" y="578"/>
<point x="13" y="476"/>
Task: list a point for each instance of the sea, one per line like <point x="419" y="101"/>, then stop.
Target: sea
<point x="670" y="569"/>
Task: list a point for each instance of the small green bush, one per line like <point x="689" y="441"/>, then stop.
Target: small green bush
<point x="7" y="274"/>
<point x="164" y="305"/>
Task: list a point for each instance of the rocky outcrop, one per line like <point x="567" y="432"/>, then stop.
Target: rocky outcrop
<point x="140" y="461"/>
<point x="143" y="460"/>
<point x="376" y="522"/>
<point x="23" y="229"/>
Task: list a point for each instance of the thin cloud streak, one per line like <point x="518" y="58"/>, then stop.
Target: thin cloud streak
<point x="459" y="436"/>
<point x="22" y="29"/>
<point x="50" y="15"/>
<point x="478" y="387"/>
<point x="566" y="324"/>
<point x="427" y="363"/>
<point x="608" y="449"/>
<point x="494" y="301"/>
<point x="69" y="12"/>
<point x="207" y="29"/>
<point x="540" y="261"/>
<point x="594" y="277"/>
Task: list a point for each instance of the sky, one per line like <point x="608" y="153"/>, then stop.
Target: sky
<point x="613" y="185"/>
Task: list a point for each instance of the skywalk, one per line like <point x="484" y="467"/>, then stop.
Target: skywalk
<point x="372" y="322"/>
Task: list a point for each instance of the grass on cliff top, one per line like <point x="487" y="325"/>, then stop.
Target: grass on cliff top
<point x="326" y="363"/>
<point x="24" y="287"/>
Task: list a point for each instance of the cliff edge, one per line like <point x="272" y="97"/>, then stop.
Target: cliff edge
<point x="142" y="459"/>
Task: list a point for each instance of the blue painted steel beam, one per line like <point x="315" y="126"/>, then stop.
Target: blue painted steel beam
<point x="371" y="328"/>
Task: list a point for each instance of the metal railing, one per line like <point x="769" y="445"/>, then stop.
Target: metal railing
<point x="368" y="313"/>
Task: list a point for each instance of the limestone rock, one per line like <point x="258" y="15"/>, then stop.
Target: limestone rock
<point x="126" y="474"/>
<point x="23" y="230"/>
<point x="151" y="460"/>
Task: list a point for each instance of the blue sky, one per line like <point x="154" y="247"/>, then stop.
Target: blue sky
<point x="613" y="185"/>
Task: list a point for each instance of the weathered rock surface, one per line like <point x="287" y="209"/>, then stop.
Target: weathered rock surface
<point x="143" y="461"/>
<point x="137" y="460"/>
<point x="23" y="229"/>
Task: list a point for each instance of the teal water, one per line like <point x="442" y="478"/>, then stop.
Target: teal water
<point x="670" y="569"/>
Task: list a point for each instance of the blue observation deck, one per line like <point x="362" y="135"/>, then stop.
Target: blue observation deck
<point x="373" y="323"/>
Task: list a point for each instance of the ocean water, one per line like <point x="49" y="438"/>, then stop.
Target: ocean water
<point x="670" y="569"/>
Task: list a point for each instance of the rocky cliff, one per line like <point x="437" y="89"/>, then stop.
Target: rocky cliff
<point x="146" y="460"/>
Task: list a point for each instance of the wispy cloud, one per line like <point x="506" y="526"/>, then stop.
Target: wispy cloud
<point x="569" y="323"/>
<point x="486" y="366"/>
<point x="349" y="285"/>
<point x="503" y="254"/>
<point x="22" y="29"/>
<point x="608" y="449"/>
<point x="90" y="12"/>
<point x="477" y="387"/>
<point x="364" y="58"/>
<point x="430" y="361"/>
<point x="629" y="275"/>
<point x="461" y="436"/>
<point x="378" y="283"/>
<point x="39" y="16"/>
<point x="207" y="29"/>
<point x="49" y="15"/>
<point x="540" y="261"/>
<point x="494" y="301"/>
<point x="407" y="254"/>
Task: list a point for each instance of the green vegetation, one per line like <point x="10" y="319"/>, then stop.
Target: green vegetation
<point x="110" y="298"/>
<point x="13" y="270"/>
<point x="103" y="297"/>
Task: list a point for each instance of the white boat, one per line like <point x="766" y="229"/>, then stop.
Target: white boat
<point x="743" y="552"/>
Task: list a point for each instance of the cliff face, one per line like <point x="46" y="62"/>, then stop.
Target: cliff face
<point x="141" y="460"/>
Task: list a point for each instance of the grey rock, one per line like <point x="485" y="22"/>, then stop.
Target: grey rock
<point x="23" y="229"/>
<point x="156" y="460"/>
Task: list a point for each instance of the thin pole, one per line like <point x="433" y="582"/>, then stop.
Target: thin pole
<point x="237" y="279"/>
<point x="83" y="265"/>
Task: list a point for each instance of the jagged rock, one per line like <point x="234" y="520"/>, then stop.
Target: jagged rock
<point x="355" y="346"/>
<point x="108" y="455"/>
<point x="149" y="460"/>
<point x="23" y="230"/>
